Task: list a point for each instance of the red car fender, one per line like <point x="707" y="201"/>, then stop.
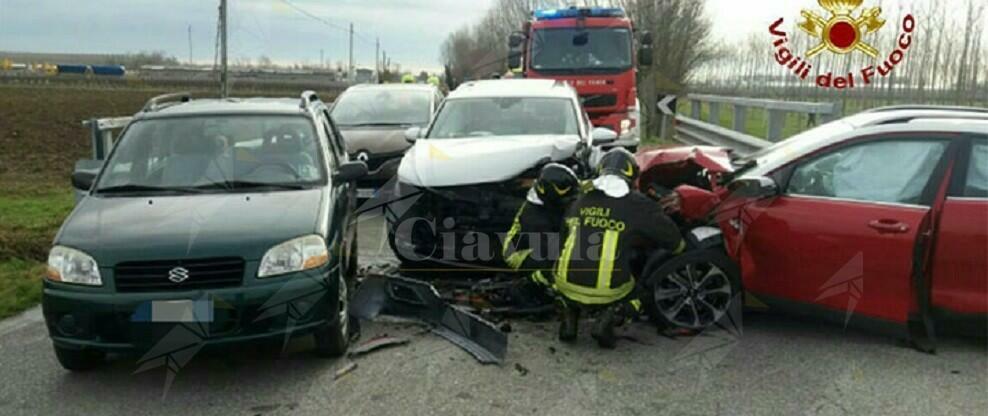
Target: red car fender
<point x="695" y="204"/>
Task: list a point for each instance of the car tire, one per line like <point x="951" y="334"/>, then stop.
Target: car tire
<point x="333" y="339"/>
<point x="692" y="291"/>
<point x="79" y="360"/>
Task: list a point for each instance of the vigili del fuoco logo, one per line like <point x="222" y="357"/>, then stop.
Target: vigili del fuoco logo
<point x="842" y="30"/>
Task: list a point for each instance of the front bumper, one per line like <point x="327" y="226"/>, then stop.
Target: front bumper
<point x="293" y="304"/>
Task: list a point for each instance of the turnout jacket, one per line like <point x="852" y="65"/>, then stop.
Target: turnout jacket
<point x="599" y="233"/>
<point x="533" y="242"/>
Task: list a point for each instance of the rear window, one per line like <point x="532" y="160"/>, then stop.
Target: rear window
<point x="977" y="172"/>
<point x="383" y="107"/>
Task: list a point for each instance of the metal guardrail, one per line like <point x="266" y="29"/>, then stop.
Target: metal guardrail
<point x="693" y="130"/>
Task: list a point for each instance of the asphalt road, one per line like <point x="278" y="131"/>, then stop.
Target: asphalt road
<point x="773" y="365"/>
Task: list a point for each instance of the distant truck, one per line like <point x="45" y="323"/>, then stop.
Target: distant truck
<point x="593" y="49"/>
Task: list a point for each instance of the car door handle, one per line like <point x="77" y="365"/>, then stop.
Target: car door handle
<point x="889" y="226"/>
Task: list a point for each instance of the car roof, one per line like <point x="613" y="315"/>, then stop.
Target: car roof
<point x="513" y="88"/>
<point x="907" y="113"/>
<point x="398" y="87"/>
<point x="227" y="106"/>
<point x="870" y="123"/>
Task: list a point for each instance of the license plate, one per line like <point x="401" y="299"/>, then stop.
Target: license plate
<point x="366" y="193"/>
<point x="172" y="311"/>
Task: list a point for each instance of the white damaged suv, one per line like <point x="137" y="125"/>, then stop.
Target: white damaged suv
<point x="466" y="175"/>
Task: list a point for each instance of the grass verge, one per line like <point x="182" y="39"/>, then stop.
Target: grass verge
<point x="30" y="214"/>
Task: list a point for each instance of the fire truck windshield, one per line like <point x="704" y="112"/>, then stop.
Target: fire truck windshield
<point x="586" y="50"/>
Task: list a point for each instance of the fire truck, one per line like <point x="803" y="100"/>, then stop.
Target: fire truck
<point x="593" y="49"/>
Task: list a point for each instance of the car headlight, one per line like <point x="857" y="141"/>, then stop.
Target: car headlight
<point x="294" y="255"/>
<point x="69" y="265"/>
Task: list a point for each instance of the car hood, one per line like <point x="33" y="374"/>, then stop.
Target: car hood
<point x="452" y="162"/>
<point x="117" y="229"/>
<point x="375" y="140"/>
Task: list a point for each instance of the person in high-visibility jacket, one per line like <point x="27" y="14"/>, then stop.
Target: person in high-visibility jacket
<point x="602" y="229"/>
<point x="532" y="245"/>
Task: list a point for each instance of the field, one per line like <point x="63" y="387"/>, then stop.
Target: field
<point x="41" y="137"/>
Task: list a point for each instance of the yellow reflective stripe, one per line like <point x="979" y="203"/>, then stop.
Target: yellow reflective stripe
<point x="515" y="260"/>
<point x="515" y="228"/>
<point x="680" y="248"/>
<point x="594" y="296"/>
<point x="637" y="304"/>
<point x="562" y="267"/>
<point x="537" y="277"/>
<point x="607" y="252"/>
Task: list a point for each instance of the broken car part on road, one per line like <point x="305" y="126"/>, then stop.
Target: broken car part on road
<point x="400" y="296"/>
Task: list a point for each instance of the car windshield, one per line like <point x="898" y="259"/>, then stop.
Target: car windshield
<point x="581" y="50"/>
<point x="504" y="116"/>
<point x="220" y="152"/>
<point x="382" y="107"/>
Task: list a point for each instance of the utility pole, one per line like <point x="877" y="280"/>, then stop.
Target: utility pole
<point x="322" y="60"/>
<point x="190" y="45"/>
<point x="224" y="76"/>
<point x="377" y="62"/>
<point x="350" y="70"/>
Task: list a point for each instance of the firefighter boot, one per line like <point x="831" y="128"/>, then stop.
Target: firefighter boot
<point x="603" y="329"/>
<point x="569" y="322"/>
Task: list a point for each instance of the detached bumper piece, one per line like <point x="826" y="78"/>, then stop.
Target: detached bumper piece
<point x="399" y="296"/>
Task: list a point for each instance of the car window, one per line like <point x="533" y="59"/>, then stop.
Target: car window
<point x="373" y="107"/>
<point x="201" y="151"/>
<point x="504" y="116"/>
<point x="895" y="171"/>
<point x="977" y="172"/>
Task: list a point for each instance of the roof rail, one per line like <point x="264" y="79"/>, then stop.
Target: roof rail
<point x="158" y="102"/>
<point x="308" y="97"/>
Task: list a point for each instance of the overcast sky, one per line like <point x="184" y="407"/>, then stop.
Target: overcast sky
<point x="410" y="30"/>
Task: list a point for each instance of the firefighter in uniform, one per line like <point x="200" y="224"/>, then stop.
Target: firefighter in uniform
<point x="532" y="245"/>
<point x="601" y="232"/>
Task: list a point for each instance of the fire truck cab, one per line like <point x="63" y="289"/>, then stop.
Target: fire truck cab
<point x="593" y="50"/>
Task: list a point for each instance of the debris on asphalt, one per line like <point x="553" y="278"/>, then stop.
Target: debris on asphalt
<point x="378" y="343"/>
<point x="521" y="369"/>
<point x="419" y="300"/>
<point x="346" y="369"/>
<point x="552" y="350"/>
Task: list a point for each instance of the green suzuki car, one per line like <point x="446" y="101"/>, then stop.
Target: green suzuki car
<point x="211" y="222"/>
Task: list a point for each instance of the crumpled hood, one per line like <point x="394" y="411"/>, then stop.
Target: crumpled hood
<point x="452" y="162"/>
<point x="117" y="229"/>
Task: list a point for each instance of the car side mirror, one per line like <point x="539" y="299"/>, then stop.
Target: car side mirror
<point x="83" y="180"/>
<point x="602" y="135"/>
<point x="645" y="55"/>
<point x="516" y="39"/>
<point x="754" y="187"/>
<point x="412" y="134"/>
<point x="350" y="171"/>
<point x="85" y="174"/>
<point x="646" y="38"/>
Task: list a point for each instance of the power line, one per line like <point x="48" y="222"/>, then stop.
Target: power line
<point x="359" y="36"/>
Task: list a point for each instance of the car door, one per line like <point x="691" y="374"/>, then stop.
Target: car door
<point x="841" y="238"/>
<point x="344" y="194"/>
<point x="960" y="256"/>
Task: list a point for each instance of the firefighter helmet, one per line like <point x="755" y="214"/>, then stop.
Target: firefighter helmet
<point x="619" y="162"/>
<point x="556" y="184"/>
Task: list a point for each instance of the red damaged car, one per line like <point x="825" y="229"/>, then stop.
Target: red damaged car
<point x="877" y="220"/>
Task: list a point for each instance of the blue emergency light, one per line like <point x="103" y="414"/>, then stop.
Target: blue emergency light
<point x="553" y="14"/>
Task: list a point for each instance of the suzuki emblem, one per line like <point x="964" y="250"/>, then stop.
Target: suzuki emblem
<point x="178" y="274"/>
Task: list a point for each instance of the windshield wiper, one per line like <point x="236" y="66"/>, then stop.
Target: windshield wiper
<point x="144" y="188"/>
<point x="231" y="185"/>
